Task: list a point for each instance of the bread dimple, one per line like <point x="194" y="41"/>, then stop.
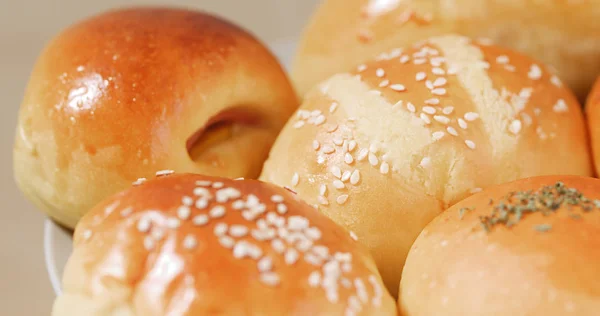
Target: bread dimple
<point x="179" y="242"/>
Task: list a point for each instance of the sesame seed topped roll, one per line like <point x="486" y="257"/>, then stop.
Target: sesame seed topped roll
<point x="186" y="244"/>
<point x="386" y="147"/>
<point x="560" y="33"/>
<point x="528" y="247"/>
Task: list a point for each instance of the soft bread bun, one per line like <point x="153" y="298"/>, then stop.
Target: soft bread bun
<point x="592" y="109"/>
<point x="479" y="258"/>
<point x="343" y="33"/>
<point x="129" y="92"/>
<point x="195" y="245"/>
<point x="376" y="149"/>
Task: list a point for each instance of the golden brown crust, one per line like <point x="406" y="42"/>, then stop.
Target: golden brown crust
<point x="592" y="110"/>
<point x="541" y="265"/>
<point x="195" y="245"/>
<point x="384" y="149"/>
<point x="116" y="97"/>
<point x="343" y="33"/>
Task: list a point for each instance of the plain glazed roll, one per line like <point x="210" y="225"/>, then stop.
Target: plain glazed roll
<point x="342" y="33"/>
<point x="195" y="245"/>
<point x="124" y="94"/>
<point x="524" y="248"/>
<point x="592" y="109"/>
<point x="386" y="147"/>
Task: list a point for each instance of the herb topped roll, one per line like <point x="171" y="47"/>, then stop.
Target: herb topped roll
<point x="528" y="247"/>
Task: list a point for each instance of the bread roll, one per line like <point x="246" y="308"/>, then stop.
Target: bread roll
<point x="194" y="245"/>
<point x="124" y="94"/>
<point x="386" y="147"/>
<point x="525" y="248"/>
<point x="344" y="33"/>
<point x="592" y="109"/>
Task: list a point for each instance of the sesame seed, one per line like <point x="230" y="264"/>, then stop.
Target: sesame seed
<point x="265" y="264"/>
<point x="355" y="177"/>
<point x="438" y="71"/>
<point x="419" y="61"/>
<point x="333" y="107"/>
<point x="157" y="233"/>
<point x="380" y="72"/>
<point x="437" y="61"/>
<point x="314" y="279"/>
<point x="442" y="119"/>
<point x="452" y="131"/>
<point x="322" y="200"/>
<point x="361" y="68"/>
<point x="560" y="106"/>
<point x="295" y="179"/>
<point x="203" y="183"/>
<point x="440" y="82"/>
<point x="338" y="141"/>
<point x="404" y="59"/>
<point x="535" y="72"/>
<point x="373" y="159"/>
<point x="432" y="101"/>
<point x="201" y="203"/>
<point x="297" y="222"/>
<point x="515" y="126"/>
<point x="470" y="144"/>
<point x="278" y="245"/>
<point x="238" y="204"/>
<point x="425" y="162"/>
<point x="437" y="135"/>
<point x="139" y="181"/>
<point x="220" y="229"/>
<point x="336" y="171"/>
<point x="439" y="91"/>
<point x="277" y="198"/>
<point x="226" y="242"/>
<point x="148" y="243"/>
<point x="502" y="59"/>
<point x="143" y="224"/>
<point x="217" y="185"/>
<point x="291" y="256"/>
<point x="384" y="168"/>
<point x="87" y="234"/>
<point x="187" y="201"/>
<point x="189" y="242"/>
<point x="164" y="172"/>
<point x="471" y="116"/>
<point x="351" y="145"/>
<point x="398" y="87"/>
<point x="362" y="154"/>
<point x="462" y="123"/>
<point x="238" y="230"/>
<point x="348" y="159"/>
<point x="269" y="278"/>
<point x="201" y="192"/>
<point x="453" y="70"/>
<point x="126" y="211"/>
<point x="510" y="68"/>
<point x="338" y="184"/>
<point x="420" y="76"/>
<point x="429" y="110"/>
<point x="298" y="124"/>
<point x="448" y="110"/>
<point x="429" y="85"/>
<point x="320" y="120"/>
<point x="183" y="212"/>
<point x="425" y="118"/>
<point x="327" y="149"/>
<point x="323" y="189"/>
<point x="555" y="80"/>
<point x="331" y="128"/>
<point x="384" y="83"/>
<point x="281" y="208"/>
<point x="200" y="220"/>
<point x="342" y="199"/>
<point x="217" y="212"/>
<point x="410" y="107"/>
<point x="320" y="159"/>
<point x="346" y="175"/>
<point x="313" y="233"/>
<point x="173" y="222"/>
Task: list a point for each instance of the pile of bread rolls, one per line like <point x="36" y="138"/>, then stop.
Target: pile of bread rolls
<point x="426" y="158"/>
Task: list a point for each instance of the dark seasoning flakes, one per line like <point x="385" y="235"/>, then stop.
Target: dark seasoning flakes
<point x="548" y="200"/>
<point x="271" y="232"/>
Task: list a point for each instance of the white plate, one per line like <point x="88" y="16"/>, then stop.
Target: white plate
<point x="58" y="241"/>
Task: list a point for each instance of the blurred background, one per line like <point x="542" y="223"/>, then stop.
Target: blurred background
<point x="25" y="27"/>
